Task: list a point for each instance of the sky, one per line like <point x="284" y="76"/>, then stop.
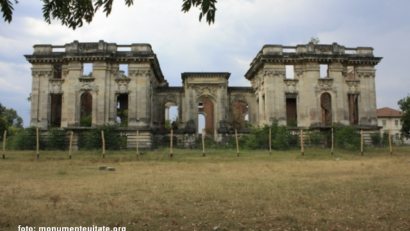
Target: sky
<point x="242" y="27"/>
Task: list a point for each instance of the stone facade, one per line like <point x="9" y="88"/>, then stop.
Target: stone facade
<point x="62" y="96"/>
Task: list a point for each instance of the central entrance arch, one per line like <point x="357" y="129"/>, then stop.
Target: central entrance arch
<point x="207" y="109"/>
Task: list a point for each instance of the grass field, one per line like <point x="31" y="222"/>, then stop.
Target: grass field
<point x="257" y="191"/>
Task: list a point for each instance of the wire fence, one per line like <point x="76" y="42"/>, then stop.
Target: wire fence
<point x="279" y="139"/>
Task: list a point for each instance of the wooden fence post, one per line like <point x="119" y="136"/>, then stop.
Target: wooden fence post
<point x="302" y="149"/>
<point x="71" y="143"/>
<point x="361" y="145"/>
<point x="137" y="144"/>
<point x="170" y="144"/>
<point x="333" y="141"/>
<point x="103" y="143"/>
<point x="237" y="143"/>
<point x="38" y="154"/>
<point x="390" y="144"/>
<point x="270" y="141"/>
<point x="4" y="144"/>
<point x="203" y="142"/>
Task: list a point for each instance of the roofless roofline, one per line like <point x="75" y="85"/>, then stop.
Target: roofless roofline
<point x="322" y="53"/>
<point x="205" y="74"/>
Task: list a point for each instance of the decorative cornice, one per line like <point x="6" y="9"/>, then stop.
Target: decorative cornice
<point x="139" y="73"/>
<point x="274" y="73"/>
<point x="361" y="74"/>
<point x="41" y="73"/>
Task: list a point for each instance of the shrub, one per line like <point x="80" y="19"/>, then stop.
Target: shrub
<point x="376" y="138"/>
<point x="57" y="139"/>
<point x="26" y="139"/>
<point x="93" y="140"/>
<point x="315" y="138"/>
<point x="385" y="139"/>
<point x="282" y="138"/>
<point x="347" y="138"/>
<point x="86" y="121"/>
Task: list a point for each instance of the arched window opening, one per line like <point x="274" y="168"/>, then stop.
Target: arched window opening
<point x="86" y="109"/>
<point x="206" y="107"/>
<point x="326" y="105"/>
<point x="240" y="111"/>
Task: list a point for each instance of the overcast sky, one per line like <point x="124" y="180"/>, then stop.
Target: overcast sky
<point x="242" y="27"/>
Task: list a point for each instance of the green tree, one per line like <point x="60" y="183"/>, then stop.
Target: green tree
<point x="73" y="13"/>
<point x="9" y="118"/>
<point x="404" y="105"/>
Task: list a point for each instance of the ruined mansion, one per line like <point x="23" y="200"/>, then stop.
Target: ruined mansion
<point x="64" y="96"/>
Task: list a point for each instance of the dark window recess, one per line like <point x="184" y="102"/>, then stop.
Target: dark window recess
<point x="240" y="110"/>
<point x="55" y="117"/>
<point x="57" y="71"/>
<point x="291" y="112"/>
<point x="86" y="109"/>
<point x="353" y="109"/>
<point x="326" y="105"/>
<point x="122" y="109"/>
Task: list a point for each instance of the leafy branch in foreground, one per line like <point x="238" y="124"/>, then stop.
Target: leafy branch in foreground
<point x="73" y="13"/>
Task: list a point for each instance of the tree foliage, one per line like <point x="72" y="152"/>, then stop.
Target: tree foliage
<point x="404" y="105"/>
<point x="9" y="118"/>
<point x="347" y="137"/>
<point x="73" y="13"/>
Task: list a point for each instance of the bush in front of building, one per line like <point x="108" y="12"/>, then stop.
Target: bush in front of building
<point x="347" y="137"/>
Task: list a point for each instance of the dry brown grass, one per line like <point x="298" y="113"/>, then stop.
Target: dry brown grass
<point x="219" y="192"/>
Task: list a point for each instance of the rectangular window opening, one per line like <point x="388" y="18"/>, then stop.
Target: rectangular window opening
<point x="57" y="71"/>
<point x="122" y="110"/>
<point x="87" y="69"/>
<point x="123" y="48"/>
<point x="350" y="52"/>
<point x="324" y="70"/>
<point x="290" y="72"/>
<point x="123" y="70"/>
<point x="351" y="72"/>
<point x="289" y="50"/>
<point x="62" y="49"/>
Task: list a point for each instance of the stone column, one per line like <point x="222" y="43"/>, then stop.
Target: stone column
<point x="368" y="113"/>
<point x="34" y="117"/>
<point x="70" y="109"/>
<point x="45" y="98"/>
<point x="101" y="108"/>
<point x="309" y="113"/>
<point x="275" y="107"/>
<point x="340" y="110"/>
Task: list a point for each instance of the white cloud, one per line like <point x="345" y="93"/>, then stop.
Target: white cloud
<point x="242" y="27"/>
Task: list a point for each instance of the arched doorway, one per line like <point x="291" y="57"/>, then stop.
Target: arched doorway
<point x="326" y="105"/>
<point x="206" y="108"/>
<point x="240" y="113"/>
